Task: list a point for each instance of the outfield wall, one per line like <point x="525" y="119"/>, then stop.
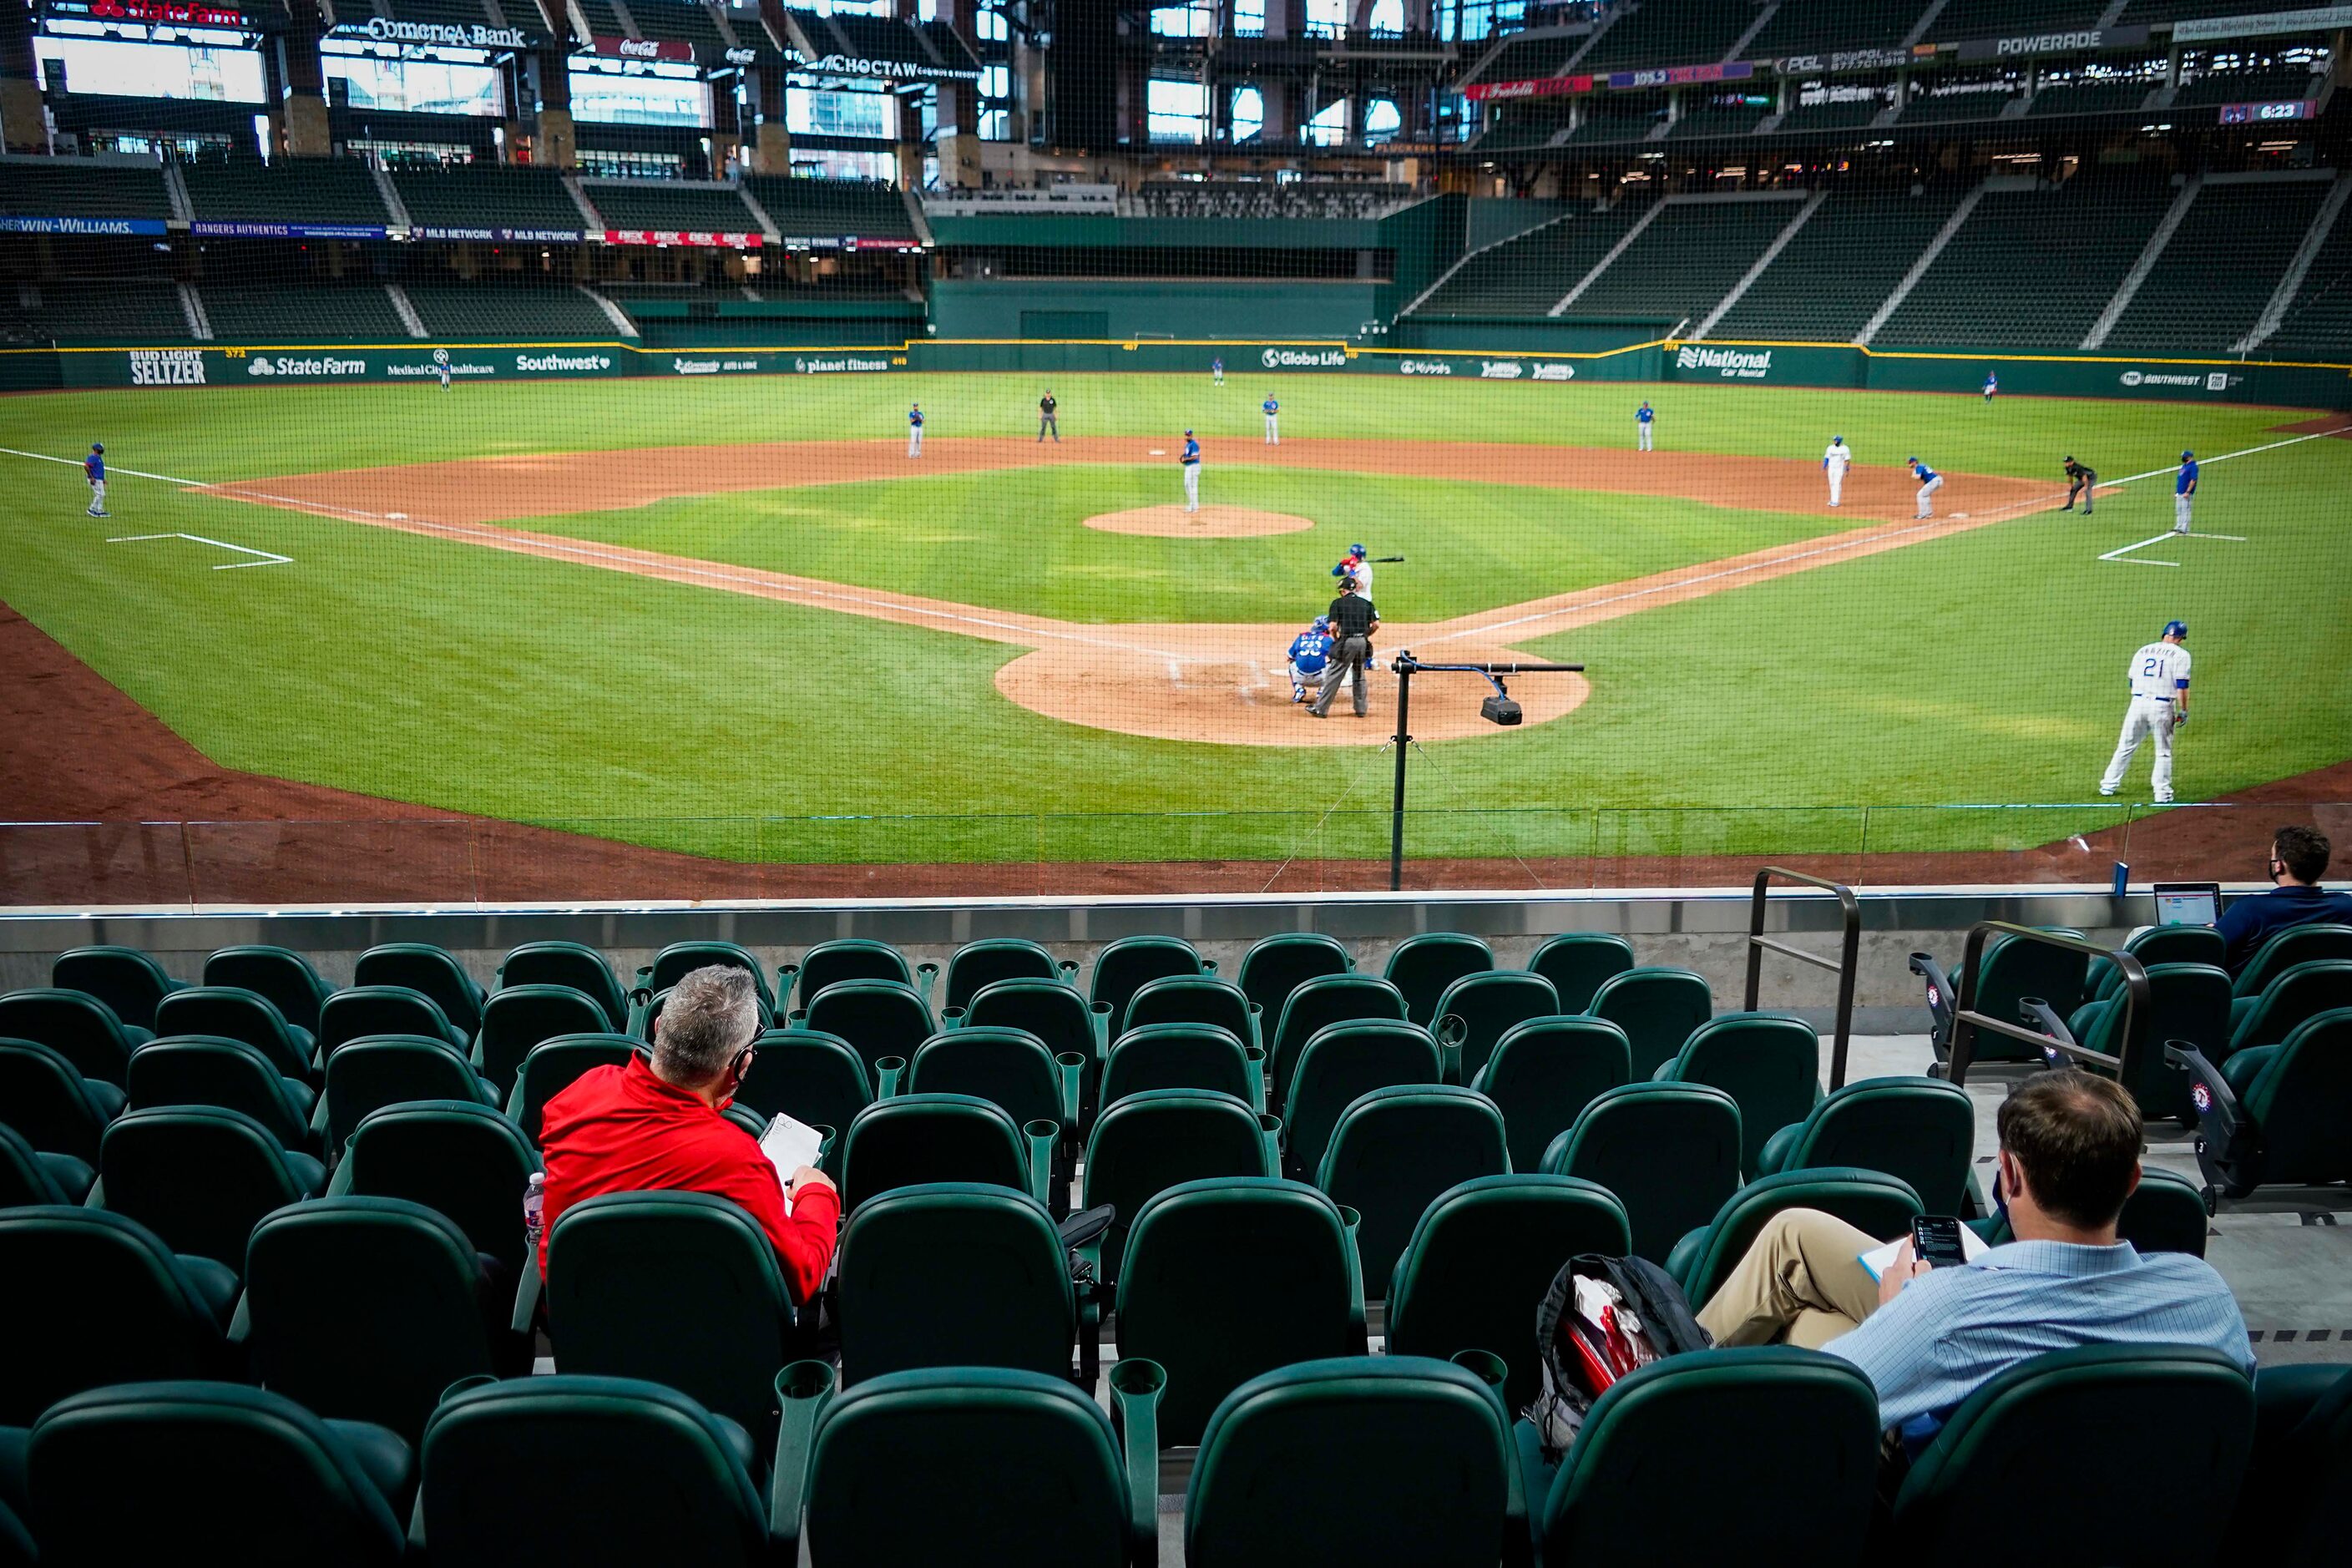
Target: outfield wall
<point x="1765" y="364"/>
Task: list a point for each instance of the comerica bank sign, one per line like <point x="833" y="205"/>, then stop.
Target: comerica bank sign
<point x="448" y="35"/>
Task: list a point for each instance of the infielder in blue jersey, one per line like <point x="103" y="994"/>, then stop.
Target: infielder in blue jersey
<point x="1310" y="650"/>
<point x="2184" y="492"/>
<point x="1273" y="431"/>
<point x="1191" y="461"/>
<point x="1930" y="481"/>
<point x="1643" y="416"/>
<point x="915" y="431"/>
<point x="93" y="469"/>
<point x="1217" y="370"/>
<point x="1991" y="385"/>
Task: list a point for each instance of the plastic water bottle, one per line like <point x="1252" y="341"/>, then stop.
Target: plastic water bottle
<point x="534" y="1209"/>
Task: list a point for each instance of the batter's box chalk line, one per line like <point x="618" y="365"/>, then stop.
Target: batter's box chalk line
<point x="2123" y="556"/>
<point x="268" y="558"/>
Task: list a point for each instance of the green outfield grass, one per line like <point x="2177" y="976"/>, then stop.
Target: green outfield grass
<point x="1985" y="668"/>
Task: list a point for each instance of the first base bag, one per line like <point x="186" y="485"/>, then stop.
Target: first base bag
<point x="1602" y="1318"/>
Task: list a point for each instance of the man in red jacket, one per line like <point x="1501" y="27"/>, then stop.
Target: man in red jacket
<point x="657" y="1127"/>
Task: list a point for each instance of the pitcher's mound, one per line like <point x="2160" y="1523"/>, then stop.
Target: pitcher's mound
<point x="1209" y="522"/>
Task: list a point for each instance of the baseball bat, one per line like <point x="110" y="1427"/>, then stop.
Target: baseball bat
<point x="1384" y="560"/>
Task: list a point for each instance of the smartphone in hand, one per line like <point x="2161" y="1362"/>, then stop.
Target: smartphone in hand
<point x="1936" y="1241"/>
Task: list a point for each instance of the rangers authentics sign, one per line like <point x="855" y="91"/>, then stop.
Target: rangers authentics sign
<point x="448" y="35"/>
<point x="2072" y="41"/>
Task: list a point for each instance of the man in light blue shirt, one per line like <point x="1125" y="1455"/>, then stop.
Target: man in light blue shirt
<point x="1928" y="1338"/>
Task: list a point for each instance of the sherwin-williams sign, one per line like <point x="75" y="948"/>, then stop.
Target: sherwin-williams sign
<point x="11" y="225"/>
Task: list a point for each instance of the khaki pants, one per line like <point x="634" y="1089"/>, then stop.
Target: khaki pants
<point x="1802" y="1283"/>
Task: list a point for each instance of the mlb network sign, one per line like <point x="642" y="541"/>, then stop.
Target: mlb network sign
<point x="1731" y="364"/>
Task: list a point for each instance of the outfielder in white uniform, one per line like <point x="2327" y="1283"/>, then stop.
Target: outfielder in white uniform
<point x="2160" y="681"/>
<point x="1834" y="463"/>
<point x="1273" y="411"/>
<point x="915" y="431"/>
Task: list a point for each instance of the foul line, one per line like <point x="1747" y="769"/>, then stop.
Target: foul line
<point x="111" y="469"/>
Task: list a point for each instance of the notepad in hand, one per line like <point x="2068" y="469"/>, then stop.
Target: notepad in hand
<point x="789" y="1145"/>
<point x="1972" y="1246"/>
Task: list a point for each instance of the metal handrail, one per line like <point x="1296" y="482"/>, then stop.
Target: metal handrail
<point x="1967" y="1020"/>
<point x="1846" y="964"/>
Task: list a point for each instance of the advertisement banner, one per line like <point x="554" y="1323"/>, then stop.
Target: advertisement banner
<point x="1680" y="76"/>
<point x="1540" y="87"/>
<point x="1725" y="365"/>
<point x="212" y="228"/>
<point x="509" y="236"/>
<point x="889" y="70"/>
<point x="272" y="366"/>
<point x="2262" y="113"/>
<point x="80" y="224"/>
<point x="2073" y="41"/>
<point x="611" y="48"/>
<point x="448" y="35"/>
<point x="724" y="239"/>
<point x="1841" y="60"/>
<point x="1472" y="367"/>
<point x="2313" y="19"/>
<point x="159" y="13"/>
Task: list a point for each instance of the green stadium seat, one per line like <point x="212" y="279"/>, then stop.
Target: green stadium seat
<point x="367" y="1074"/>
<point x="2153" y="945"/>
<point x="1670" y="1152"/>
<point x="1276" y="966"/>
<point x="1193" y="999"/>
<point x="139" y="1471"/>
<point x="2186" y="1002"/>
<point x="2166" y="1213"/>
<point x="1420" y="967"/>
<point x="76" y="1025"/>
<point x="571" y="964"/>
<point x="1477" y="1010"/>
<point x="1315" y="1005"/>
<point x="233" y="1013"/>
<point x="47" y="1101"/>
<point x="2298" y="993"/>
<point x="17" y="1547"/>
<point x="364" y="1010"/>
<point x="1577" y="962"/>
<point x="1543" y="1074"/>
<point x="1483" y="1256"/>
<point x="1057" y="1014"/>
<point x="851" y="958"/>
<point x="456" y="1158"/>
<point x="423" y="967"/>
<point x="203" y="1069"/>
<point x="1183" y="1056"/>
<point x="517" y="1018"/>
<point x="1873" y="1203"/>
<point x="367" y="1308"/>
<point x="1769" y="1063"/>
<point x="28" y="1177"/>
<point x="200" y="1176"/>
<point x="812" y="1077"/>
<point x="1229" y="1278"/>
<point x="879" y="1018"/>
<point x="1921" y="1130"/>
<point x="2127" y="1418"/>
<point x="1356" y="1459"/>
<point x="954" y="1274"/>
<point x="678" y="1288"/>
<point x="1163" y="1138"/>
<point x="127" y="980"/>
<point x="674" y="963"/>
<point x="979" y="963"/>
<point x="1833" y="274"/>
<point x="2014" y="970"/>
<point x="1339" y="1065"/>
<point x="552" y="1066"/>
<point x="279" y="974"/>
<point x="2298" y="1485"/>
<point x="2277" y="1113"/>
<point x="1010" y="1067"/>
<point x="1123" y="967"/>
<point x="916" y="1140"/>
<point x="1395" y="1149"/>
<point x="969" y="1464"/>
<point x="518" y="1472"/>
<point x="106" y="1302"/>
<point x="1657" y="1008"/>
<point x="1790" y="1435"/>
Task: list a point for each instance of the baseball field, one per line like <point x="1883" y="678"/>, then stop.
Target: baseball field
<point x="736" y="620"/>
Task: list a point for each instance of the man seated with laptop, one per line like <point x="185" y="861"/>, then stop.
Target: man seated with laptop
<point x="659" y="1126"/>
<point x="2299" y="859"/>
<point x="1929" y="1331"/>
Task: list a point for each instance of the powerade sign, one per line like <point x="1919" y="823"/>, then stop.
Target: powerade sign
<point x="2073" y="41"/>
<point x="167" y="367"/>
<point x="1303" y="358"/>
<point x="9" y="224"/>
<point x="1730" y="365"/>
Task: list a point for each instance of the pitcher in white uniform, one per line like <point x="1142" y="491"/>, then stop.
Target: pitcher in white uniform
<point x="1834" y="463"/>
<point x="2159" y="704"/>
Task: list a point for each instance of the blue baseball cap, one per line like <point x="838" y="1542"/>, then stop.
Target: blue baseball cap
<point x="2176" y="630"/>
<point x="2186" y="454"/>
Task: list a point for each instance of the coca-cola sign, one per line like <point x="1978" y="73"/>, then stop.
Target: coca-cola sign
<point x="673" y="49"/>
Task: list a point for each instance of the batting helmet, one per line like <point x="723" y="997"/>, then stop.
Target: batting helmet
<point x="1355" y="549"/>
<point x="98" y="446"/>
<point x="1322" y="622"/>
<point x="2176" y="630"/>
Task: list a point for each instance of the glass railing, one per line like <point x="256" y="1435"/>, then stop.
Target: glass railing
<point x="470" y="861"/>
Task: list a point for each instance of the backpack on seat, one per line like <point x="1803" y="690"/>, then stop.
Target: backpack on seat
<point x="1580" y="1358"/>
